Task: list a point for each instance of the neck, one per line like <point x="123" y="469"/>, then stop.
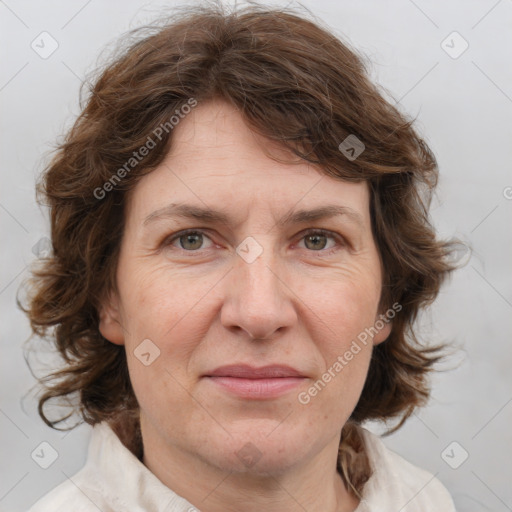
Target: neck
<point x="315" y="486"/>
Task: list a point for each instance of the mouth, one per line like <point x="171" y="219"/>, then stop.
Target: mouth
<point x="262" y="383"/>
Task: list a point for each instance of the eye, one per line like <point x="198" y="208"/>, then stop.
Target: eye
<point x="190" y="240"/>
<point x="316" y="240"/>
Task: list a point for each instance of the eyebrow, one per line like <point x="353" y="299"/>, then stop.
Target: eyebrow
<point x="209" y="215"/>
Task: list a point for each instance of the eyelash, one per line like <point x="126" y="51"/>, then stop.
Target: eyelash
<point x="325" y="252"/>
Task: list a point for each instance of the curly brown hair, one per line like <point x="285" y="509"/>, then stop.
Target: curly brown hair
<point x="295" y="83"/>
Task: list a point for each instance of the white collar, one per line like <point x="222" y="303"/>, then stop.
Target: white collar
<point x="114" y="479"/>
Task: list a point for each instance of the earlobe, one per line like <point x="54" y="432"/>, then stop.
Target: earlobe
<point x="110" y="322"/>
<point x="383" y="328"/>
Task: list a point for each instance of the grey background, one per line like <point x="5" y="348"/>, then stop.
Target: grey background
<point x="464" y="109"/>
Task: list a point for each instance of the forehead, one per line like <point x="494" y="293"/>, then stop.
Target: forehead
<point x="217" y="161"/>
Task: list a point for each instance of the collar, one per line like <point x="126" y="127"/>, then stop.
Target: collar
<point x="115" y="478"/>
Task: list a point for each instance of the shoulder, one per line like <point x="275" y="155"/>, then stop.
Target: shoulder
<point x="101" y="486"/>
<point x="83" y="491"/>
<point x="65" y="497"/>
<point x="399" y="484"/>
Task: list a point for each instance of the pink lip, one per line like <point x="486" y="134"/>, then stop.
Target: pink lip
<point x="256" y="383"/>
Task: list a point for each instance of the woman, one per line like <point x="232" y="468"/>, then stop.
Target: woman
<point x="241" y="245"/>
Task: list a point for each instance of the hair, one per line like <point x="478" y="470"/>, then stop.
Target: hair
<point x="297" y="84"/>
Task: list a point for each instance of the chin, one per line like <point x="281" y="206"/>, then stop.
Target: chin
<point x="261" y="451"/>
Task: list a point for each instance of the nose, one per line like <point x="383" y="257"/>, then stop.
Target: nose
<point x="258" y="300"/>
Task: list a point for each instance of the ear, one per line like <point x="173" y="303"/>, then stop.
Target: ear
<point x="110" y="320"/>
<point x="383" y="325"/>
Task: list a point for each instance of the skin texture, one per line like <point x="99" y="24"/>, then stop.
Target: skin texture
<point x="298" y="303"/>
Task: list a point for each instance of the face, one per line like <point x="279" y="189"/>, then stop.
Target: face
<point x="230" y="324"/>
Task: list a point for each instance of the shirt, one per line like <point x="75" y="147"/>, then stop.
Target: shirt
<point x="115" y="480"/>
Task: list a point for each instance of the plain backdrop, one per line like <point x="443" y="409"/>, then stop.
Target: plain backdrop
<point x="458" y="86"/>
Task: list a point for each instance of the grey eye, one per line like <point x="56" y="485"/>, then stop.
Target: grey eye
<point x="316" y="241"/>
<point x="191" y="241"/>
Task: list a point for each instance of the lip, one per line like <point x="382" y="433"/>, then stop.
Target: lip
<point x="256" y="383"/>
<point x="245" y="371"/>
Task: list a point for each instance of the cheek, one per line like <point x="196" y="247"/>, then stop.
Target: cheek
<point x="345" y="350"/>
<point x="173" y="310"/>
<point x="343" y="305"/>
<point x="156" y="299"/>
<point x="342" y="316"/>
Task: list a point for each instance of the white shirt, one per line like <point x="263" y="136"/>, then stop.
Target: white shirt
<point x="114" y="480"/>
